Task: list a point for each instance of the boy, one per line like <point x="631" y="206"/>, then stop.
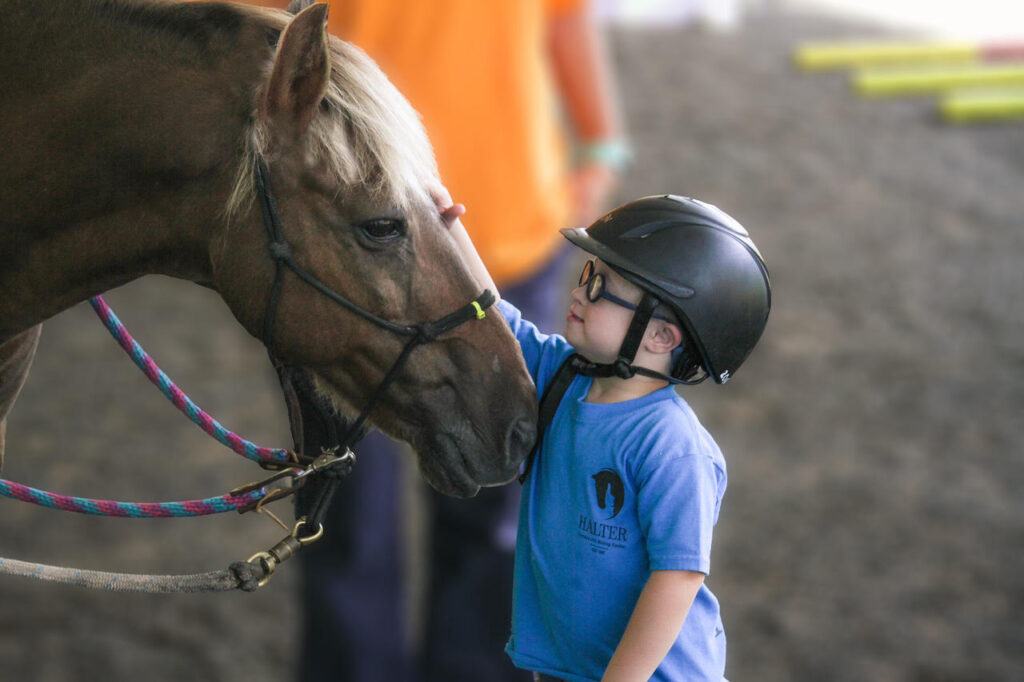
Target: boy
<point x="622" y="492"/>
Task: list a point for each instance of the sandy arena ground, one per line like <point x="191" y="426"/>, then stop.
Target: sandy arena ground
<point x="875" y="518"/>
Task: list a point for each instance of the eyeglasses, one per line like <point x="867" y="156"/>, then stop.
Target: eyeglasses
<point x="593" y="286"/>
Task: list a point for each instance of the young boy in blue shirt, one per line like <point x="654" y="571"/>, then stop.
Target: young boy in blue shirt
<point x="621" y="495"/>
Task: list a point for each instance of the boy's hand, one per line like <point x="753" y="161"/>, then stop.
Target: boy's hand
<point x="450" y="212"/>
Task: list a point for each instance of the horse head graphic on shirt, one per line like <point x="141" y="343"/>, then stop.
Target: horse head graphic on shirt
<point x="608" y="481"/>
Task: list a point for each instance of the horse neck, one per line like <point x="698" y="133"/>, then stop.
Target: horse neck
<point x="121" y="141"/>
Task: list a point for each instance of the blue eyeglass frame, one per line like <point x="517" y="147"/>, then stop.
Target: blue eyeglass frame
<point x="591" y="279"/>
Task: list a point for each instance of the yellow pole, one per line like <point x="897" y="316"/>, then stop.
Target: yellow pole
<point x="820" y="56"/>
<point x="968" y="106"/>
<point x="936" y="78"/>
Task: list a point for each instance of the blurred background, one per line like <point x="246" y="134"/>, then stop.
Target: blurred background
<point x="874" y="522"/>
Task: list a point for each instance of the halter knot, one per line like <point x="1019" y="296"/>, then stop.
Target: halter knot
<point x="280" y="250"/>
<point x="427" y="332"/>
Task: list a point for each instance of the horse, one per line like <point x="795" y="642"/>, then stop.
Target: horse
<point x="139" y="137"/>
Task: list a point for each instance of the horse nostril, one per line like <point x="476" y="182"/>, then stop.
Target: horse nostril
<point x="519" y="440"/>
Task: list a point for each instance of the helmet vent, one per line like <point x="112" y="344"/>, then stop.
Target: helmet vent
<point x="647" y="229"/>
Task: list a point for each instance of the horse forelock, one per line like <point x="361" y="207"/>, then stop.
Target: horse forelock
<point x="365" y="134"/>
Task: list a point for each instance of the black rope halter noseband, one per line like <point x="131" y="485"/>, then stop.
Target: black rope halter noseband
<point x="418" y="334"/>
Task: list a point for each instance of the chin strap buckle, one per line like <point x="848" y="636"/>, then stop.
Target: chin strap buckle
<point x="623" y="369"/>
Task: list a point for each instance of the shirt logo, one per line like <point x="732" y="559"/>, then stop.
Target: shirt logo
<point x="608" y="483"/>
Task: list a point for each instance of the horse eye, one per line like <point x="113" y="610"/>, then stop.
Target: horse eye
<point x="383" y="229"/>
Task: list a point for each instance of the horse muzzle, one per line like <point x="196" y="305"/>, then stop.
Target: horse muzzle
<point x="459" y="463"/>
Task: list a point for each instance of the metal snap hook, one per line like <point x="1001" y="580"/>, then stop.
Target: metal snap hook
<point x="309" y="539"/>
<point x="269" y="564"/>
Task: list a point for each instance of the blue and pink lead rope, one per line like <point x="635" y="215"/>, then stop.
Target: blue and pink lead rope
<point x="177" y="397"/>
<point x="136" y="510"/>
<point x="210" y="505"/>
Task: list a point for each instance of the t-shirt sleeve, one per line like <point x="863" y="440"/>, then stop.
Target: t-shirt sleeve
<point x="678" y="504"/>
<point x="543" y="353"/>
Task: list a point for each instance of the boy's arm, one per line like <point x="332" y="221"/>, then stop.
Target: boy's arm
<point x="656" y="621"/>
<point x="451" y="213"/>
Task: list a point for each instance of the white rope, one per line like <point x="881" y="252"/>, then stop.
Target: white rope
<point x="241" y="575"/>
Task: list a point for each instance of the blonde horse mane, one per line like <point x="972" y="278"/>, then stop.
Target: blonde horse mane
<point x="366" y="133"/>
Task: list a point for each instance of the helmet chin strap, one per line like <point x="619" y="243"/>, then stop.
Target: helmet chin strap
<point x="623" y="366"/>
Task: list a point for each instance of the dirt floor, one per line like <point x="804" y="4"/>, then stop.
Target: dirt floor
<point x="874" y="523"/>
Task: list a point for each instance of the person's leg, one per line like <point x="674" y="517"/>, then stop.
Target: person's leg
<point x="469" y="601"/>
<point x="469" y="594"/>
<point x="352" y="592"/>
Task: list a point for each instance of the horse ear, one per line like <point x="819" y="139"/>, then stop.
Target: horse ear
<point x="301" y="73"/>
<point x="297" y="6"/>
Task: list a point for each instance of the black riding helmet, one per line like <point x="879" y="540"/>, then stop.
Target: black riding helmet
<point x="697" y="260"/>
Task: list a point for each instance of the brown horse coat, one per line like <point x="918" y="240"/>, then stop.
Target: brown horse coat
<point x="128" y="135"/>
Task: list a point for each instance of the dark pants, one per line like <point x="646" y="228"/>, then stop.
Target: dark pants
<point x="353" y="591"/>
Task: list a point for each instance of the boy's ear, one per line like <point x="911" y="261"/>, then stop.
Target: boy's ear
<point x="662" y="336"/>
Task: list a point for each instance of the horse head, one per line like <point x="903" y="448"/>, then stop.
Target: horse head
<point x="352" y="173"/>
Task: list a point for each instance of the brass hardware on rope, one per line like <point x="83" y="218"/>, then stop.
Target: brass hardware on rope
<point x="328" y="460"/>
<point x="284" y="550"/>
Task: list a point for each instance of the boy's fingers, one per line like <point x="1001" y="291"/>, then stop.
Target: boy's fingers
<point x="450" y="215"/>
<point x="440" y="195"/>
<point x="454" y="211"/>
<point x="450" y="212"/>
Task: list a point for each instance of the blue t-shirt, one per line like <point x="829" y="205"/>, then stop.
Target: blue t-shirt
<point x="617" y="491"/>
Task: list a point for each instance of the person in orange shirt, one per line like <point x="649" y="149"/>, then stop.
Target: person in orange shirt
<point x="518" y="101"/>
<point x="486" y="77"/>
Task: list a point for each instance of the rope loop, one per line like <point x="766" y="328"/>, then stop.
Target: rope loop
<point x="247" y="575"/>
